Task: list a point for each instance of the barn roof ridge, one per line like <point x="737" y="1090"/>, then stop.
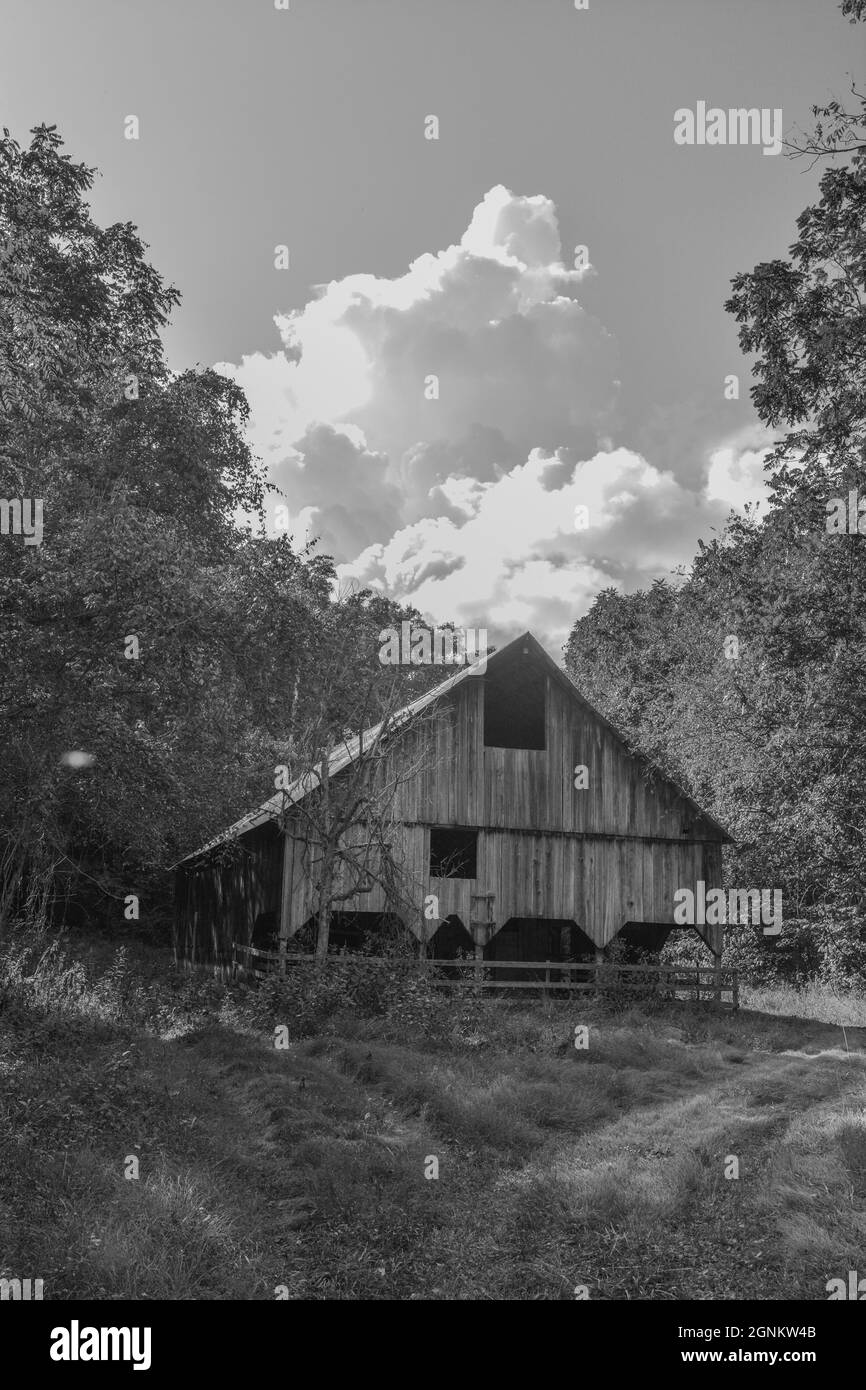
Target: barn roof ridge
<point x="345" y="753"/>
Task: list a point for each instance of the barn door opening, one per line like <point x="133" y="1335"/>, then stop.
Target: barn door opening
<point x="265" y="935"/>
<point x="640" y="938"/>
<point x="361" y="933"/>
<point x="450" y="941"/>
<point x="538" y="939"/>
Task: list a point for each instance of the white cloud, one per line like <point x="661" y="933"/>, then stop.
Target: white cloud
<point x="736" y="474"/>
<point x="518" y="559"/>
<point x="465" y="504"/>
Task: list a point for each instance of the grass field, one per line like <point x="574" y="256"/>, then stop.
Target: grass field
<point x="300" y="1172"/>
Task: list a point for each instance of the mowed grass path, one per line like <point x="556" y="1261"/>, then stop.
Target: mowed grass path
<point x="303" y="1170"/>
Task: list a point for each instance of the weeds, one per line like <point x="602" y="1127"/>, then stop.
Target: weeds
<point x="307" y="1168"/>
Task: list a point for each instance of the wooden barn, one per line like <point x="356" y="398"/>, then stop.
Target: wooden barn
<point x="522" y="818"/>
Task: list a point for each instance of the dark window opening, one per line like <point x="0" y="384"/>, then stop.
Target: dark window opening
<point x="453" y="853"/>
<point x="514" y="700"/>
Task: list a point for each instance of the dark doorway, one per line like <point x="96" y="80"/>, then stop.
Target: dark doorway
<point x="640" y="937"/>
<point x="538" y="939"/>
<point x="266" y="932"/>
<point x="368" y="933"/>
<point x="451" y="941"/>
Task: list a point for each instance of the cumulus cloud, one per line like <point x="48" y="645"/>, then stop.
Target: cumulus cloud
<point x="526" y="555"/>
<point x="437" y="431"/>
<point x="736" y="475"/>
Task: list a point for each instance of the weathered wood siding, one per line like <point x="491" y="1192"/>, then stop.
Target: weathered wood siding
<point x="218" y="898"/>
<point x="598" y="883"/>
<point x="466" y="784"/>
<point x="614" y="852"/>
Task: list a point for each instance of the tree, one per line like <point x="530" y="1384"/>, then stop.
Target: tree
<point x="127" y="633"/>
<point x="348" y="763"/>
<point x="157" y="656"/>
<point x="769" y="733"/>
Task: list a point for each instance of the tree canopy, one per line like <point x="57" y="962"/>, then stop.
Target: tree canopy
<point x="744" y="677"/>
<point x="153" y="633"/>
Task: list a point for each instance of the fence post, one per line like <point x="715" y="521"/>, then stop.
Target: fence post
<point x="599" y="958"/>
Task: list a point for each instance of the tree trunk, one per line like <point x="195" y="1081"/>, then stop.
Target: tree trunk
<point x="326" y="882"/>
<point x="323" y="914"/>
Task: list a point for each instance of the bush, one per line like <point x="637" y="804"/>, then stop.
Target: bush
<point x="398" y="991"/>
<point x="305" y="998"/>
<point x="123" y="985"/>
<point x="825" y="947"/>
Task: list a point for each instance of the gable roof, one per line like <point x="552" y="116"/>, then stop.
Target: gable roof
<point x="346" y="752"/>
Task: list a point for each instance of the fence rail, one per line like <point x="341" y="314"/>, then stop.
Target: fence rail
<point x="569" y="977"/>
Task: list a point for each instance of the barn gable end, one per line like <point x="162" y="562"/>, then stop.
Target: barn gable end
<point x="560" y="822"/>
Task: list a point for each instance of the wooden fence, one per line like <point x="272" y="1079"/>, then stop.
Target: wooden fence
<point x="698" y="982"/>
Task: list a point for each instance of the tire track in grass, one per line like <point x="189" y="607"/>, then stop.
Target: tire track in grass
<point x="643" y="1209"/>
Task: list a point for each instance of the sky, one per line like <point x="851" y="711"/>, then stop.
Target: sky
<point x="465" y="413"/>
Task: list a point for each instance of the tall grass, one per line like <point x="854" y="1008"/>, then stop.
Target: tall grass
<point x="306" y="1168"/>
<point x="813" y="1000"/>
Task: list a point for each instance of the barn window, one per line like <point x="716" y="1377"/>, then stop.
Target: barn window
<point x="453" y="853"/>
<point x="514" y="706"/>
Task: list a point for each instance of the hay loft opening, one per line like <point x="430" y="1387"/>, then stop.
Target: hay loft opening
<point x="514" y="702"/>
<point x="453" y="853"/>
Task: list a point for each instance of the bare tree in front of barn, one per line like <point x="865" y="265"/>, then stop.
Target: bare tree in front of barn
<point x="348" y="824"/>
<point x="344" y="785"/>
